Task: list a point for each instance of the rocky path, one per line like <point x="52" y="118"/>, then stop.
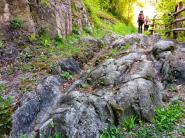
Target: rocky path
<point x="134" y="81"/>
<point x="103" y="52"/>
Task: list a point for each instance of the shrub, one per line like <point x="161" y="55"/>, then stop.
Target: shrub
<point x="167" y="117"/>
<point x="6" y="111"/>
<point x="16" y="23"/>
<point x="45" y="41"/>
<point x="32" y="37"/>
<point x="66" y="75"/>
<point x="129" y="123"/>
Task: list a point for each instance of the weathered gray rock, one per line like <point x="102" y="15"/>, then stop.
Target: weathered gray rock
<point x="59" y="17"/>
<point x="69" y="65"/>
<point x="140" y="97"/>
<point x="130" y="84"/>
<point x="109" y="39"/>
<point x="136" y="78"/>
<point x="77" y="114"/>
<point x="170" y="62"/>
<point x="15" y="9"/>
<point x="36" y="110"/>
<point x="163" y="46"/>
<point x="127" y="68"/>
<point x="141" y="41"/>
<point x="9" y="54"/>
<point x="173" y="66"/>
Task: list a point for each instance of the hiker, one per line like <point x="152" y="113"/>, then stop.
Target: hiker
<point x="146" y="23"/>
<point x="140" y="22"/>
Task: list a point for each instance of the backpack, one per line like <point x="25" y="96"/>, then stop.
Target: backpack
<point x="141" y="18"/>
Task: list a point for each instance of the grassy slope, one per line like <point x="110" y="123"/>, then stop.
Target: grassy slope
<point x="104" y="21"/>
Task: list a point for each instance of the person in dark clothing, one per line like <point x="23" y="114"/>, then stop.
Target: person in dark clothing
<point x="140" y="21"/>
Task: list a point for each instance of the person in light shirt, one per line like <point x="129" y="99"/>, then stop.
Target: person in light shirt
<point x="146" y="23"/>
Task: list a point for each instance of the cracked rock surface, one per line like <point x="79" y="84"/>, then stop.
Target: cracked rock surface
<point x="126" y="85"/>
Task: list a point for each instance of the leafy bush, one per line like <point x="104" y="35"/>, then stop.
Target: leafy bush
<point x="129" y="123"/>
<point x="16" y="23"/>
<point x="45" y="41"/>
<point x="66" y="75"/>
<point x="6" y="111"/>
<point x="32" y="37"/>
<point x="44" y="37"/>
<point x="111" y="132"/>
<point x="167" y="117"/>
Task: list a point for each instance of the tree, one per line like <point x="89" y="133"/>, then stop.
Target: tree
<point x="122" y="9"/>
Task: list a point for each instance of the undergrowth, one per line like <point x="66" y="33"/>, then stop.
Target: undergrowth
<point x="166" y="117"/>
<point x="165" y="120"/>
<point x="106" y="21"/>
<point x="6" y="111"/>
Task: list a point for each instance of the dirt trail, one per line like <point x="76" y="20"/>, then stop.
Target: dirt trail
<point x="103" y="52"/>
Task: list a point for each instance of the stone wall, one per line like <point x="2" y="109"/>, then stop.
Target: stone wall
<point x="60" y="17"/>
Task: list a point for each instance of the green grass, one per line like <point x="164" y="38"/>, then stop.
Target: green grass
<point x="67" y="46"/>
<point x="16" y="23"/>
<point x="165" y="120"/>
<point x="146" y="132"/>
<point x="32" y="38"/>
<point x="6" y="111"/>
<point x="126" y="47"/>
<point x="181" y="38"/>
<point x="129" y="123"/>
<point x="173" y="88"/>
<point x="66" y="75"/>
<point x="111" y="132"/>
<point x="166" y="117"/>
<point x="105" y="21"/>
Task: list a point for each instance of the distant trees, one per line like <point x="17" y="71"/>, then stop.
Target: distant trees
<point x="165" y="8"/>
<point x="122" y="9"/>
